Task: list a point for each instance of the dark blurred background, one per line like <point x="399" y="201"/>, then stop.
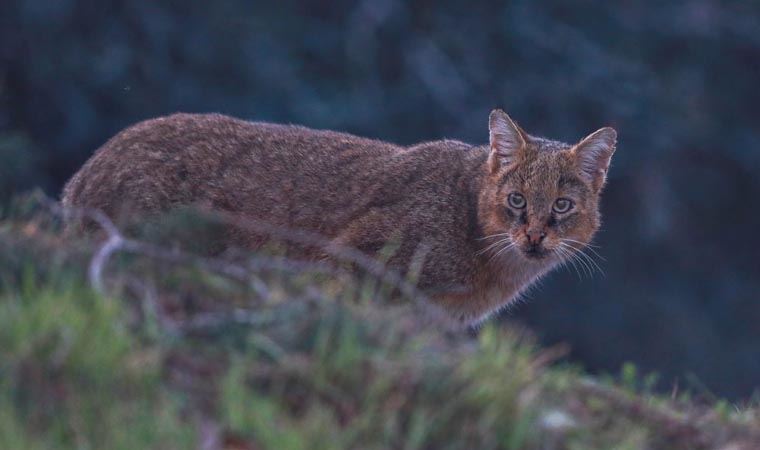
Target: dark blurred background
<point x="680" y="80"/>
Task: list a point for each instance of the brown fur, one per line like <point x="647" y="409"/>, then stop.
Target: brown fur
<point x="445" y="198"/>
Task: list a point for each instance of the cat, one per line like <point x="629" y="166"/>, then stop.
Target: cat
<point x="491" y="219"/>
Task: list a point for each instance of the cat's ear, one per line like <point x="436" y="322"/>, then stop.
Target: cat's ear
<point x="506" y="139"/>
<point x="593" y="155"/>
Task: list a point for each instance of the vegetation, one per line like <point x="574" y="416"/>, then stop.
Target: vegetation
<point x="178" y="351"/>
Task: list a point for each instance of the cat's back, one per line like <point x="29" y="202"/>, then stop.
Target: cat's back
<point x="217" y="160"/>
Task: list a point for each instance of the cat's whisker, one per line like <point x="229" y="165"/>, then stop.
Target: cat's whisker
<point x="574" y="261"/>
<point x="495" y="244"/>
<point x="591" y="261"/>
<point x="583" y="244"/>
<point x="502" y="250"/>
<point x="582" y="253"/>
<point x="585" y="260"/>
<point x="486" y="249"/>
<point x="493" y="236"/>
<point x="574" y="258"/>
<point x="566" y="259"/>
<point x="589" y="246"/>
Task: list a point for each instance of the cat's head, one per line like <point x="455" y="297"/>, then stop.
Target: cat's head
<point x="541" y="197"/>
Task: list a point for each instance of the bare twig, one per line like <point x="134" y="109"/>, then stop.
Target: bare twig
<point x="115" y="242"/>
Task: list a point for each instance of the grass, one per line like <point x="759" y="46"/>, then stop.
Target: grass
<point x="178" y="356"/>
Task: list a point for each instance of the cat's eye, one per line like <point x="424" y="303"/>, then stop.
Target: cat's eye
<point x="562" y="205"/>
<point x="516" y="200"/>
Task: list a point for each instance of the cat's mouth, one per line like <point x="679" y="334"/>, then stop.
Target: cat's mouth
<point x="535" y="252"/>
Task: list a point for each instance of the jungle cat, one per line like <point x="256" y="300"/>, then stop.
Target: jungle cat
<point x="492" y="218"/>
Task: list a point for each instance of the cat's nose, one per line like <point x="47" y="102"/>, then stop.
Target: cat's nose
<point x="535" y="236"/>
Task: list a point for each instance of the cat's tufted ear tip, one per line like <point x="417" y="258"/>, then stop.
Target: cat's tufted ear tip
<point x="497" y="115"/>
<point x="608" y="135"/>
